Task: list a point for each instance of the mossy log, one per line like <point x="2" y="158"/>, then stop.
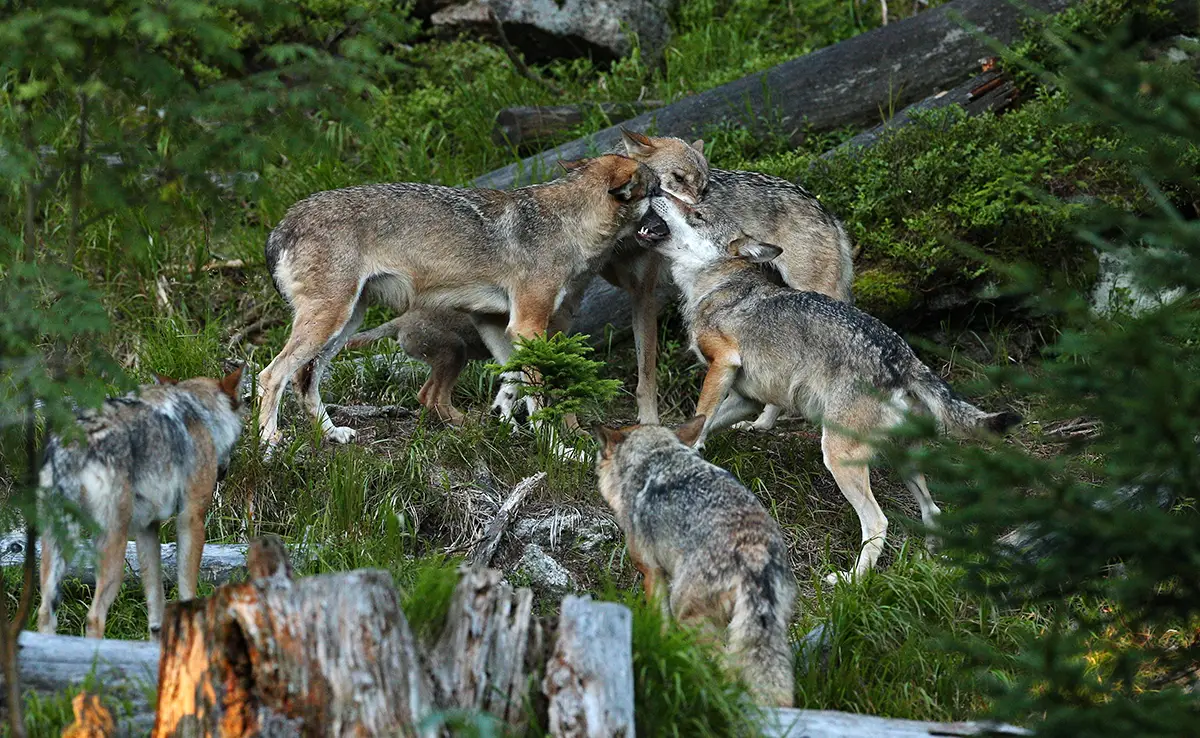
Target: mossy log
<point x="525" y="127"/>
<point x="847" y="83"/>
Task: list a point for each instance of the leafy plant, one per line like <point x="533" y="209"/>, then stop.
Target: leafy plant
<point x="566" y="380"/>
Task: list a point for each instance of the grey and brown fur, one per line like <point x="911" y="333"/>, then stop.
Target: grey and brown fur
<point x="803" y="351"/>
<point x="708" y="550"/>
<point x="522" y="253"/>
<point x="816" y="253"/>
<point x="445" y="340"/>
<point x="143" y="459"/>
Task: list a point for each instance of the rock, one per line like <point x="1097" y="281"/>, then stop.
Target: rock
<point x="554" y="29"/>
<point x="812" y="651"/>
<point x="1116" y="290"/>
<point x="544" y="572"/>
<point x="578" y="530"/>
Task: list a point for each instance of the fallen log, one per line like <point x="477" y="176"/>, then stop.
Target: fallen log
<point x="483" y="551"/>
<point x="528" y="126"/>
<point x="789" y="723"/>
<point x="848" y="83"/>
<point x="126" y="672"/>
<point x="329" y="654"/>
<point x="589" y="677"/>
<point x="219" y="562"/>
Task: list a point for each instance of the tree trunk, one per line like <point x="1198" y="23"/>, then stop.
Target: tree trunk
<point x="849" y="83"/>
<point x="490" y="647"/>
<point x="528" y="126"/>
<point x="589" y="678"/>
<point x="324" y="655"/>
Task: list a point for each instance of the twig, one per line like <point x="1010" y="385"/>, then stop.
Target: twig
<point x="522" y="68"/>
<point x="359" y="412"/>
<point x="485" y="548"/>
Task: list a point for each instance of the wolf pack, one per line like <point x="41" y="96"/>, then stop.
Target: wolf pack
<point x="763" y="273"/>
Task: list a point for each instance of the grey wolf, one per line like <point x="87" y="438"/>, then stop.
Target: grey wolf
<point x="708" y="550"/>
<point x="520" y="253"/>
<point x="445" y="340"/>
<point x="142" y="459"/>
<point x="802" y="351"/>
<point x="816" y="253"/>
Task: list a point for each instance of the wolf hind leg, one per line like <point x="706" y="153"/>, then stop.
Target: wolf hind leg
<point x="764" y="422"/>
<point x="314" y="325"/>
<point x="149" y="554"/>
<point x="53" y="567"/>
<point x="110" y="571"/>
<point x="308" y="379"/>
<point x="929" y="509"/>
<point x="846" y="459"/>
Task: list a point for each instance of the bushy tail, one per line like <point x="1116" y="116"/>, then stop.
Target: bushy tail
<point x="758" y="637"/>
<point x="955" y="415"/>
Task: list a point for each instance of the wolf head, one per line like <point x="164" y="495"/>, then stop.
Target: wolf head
<point x="681" y="166"/>
<point x="695" y="237"/>
<point x="222" y="403"/>
<point x="621" y="448"/>
<point x="625" y="179"/>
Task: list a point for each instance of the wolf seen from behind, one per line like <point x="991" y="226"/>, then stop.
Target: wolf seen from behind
<point x="523" y="254"/>
<point x="143" y="459"/>
<point x="708" y="550"/>
<point x="802" y="351"/>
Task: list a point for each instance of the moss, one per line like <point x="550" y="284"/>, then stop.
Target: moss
<point x="882" y="293"/>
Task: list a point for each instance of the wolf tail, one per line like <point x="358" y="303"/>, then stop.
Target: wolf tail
<point x="955" y="415"/>
<point x="758" y="636"/>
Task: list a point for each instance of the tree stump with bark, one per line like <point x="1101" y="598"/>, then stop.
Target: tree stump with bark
<point x="325" y="655"/>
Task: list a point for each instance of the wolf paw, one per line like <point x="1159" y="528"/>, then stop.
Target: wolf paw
<point x="341" y="434"/>
<point x="839" y="576"/>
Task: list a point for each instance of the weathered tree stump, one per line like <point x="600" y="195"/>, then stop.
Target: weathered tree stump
<point x="325" y="655"/>
<point x="589" y="677"/>
<point x="490" y="647"/>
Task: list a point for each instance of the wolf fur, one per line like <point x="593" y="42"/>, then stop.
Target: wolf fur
<point x="802" y="351"/>
<point x="521" y="253"/>
<point x="445" y="340"/>
<point x="143" y="458"/>
<point x="708" y="550"/>
<point x="817" y="254"/>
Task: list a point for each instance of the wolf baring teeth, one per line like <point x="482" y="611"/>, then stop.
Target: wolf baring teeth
<point x="143" y="458"/>
<point x="805" y="352"/>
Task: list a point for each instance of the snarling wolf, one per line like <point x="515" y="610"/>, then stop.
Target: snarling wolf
<point x="802" y="351"/>
<point x="521" y="253"/>
<point x="142" y="459"/>
<point x="708" y="550"/>
<point x="816" y="253"/>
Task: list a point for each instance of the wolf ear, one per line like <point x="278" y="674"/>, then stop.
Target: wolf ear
<point x="230" y="383"/>
<point x="164" y="379"/>
<point x="698" y="145"/>
<point x="572" y="164"/>
<point x="623" y="185"/>
<point x="607" y="438"/>
<point x="637" y="144"/>
<point x="755" y="252"/>
<point x="690" y="431"/>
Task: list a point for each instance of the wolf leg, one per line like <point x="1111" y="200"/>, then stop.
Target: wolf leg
<point x="530" y="317"/>
<point x="149" y="553"/>
<point x="308" y="381"/>
<point x="644" y="305"/>
<point x="722" y="370"/>
<point x="381" y="331"/>
<point x="764" y="422"/>
<point x="929" y="509"/>
<point x="736" y="407"/>
<point x="492" y="333"/>
<point x="53" y="566"/>
<point x="315" y="324"/>
<point x="110" y="570"/>
<point x="190" y="530"/>
<point x="846" y="459"/>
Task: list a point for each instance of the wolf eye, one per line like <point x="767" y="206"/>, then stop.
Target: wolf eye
<point x="677" y="176"/>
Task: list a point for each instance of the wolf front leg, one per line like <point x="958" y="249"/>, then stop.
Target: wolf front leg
<point x="644" y="305"/>
<point x="724" y="361"/>
<point x="530" y="315"/>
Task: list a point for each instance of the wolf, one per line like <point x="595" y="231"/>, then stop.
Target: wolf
<point x="521" y="253"/>
<point x="445" y="340"/>
<point x="802" y="351"/>
<point x="816" y="252"/>
<point x="708" y="550"/>
<point x="143" y="458"/>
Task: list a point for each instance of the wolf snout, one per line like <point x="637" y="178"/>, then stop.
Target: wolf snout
<point x="652" y="228"/>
